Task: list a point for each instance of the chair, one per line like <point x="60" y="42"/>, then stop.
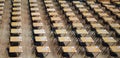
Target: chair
<point x="113" y="54"/>
<point x="88" y="54"/>
<point x="39" y="55"/>
<point x="66" y="55"/>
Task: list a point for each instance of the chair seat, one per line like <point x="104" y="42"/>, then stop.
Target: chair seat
<point x="65" y="55"/>
<point x="82" y="44"/>
<point x="89" y="54"/>
<point x="113" y="54"/>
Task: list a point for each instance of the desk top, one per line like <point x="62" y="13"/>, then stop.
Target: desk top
<point x="34" y="9"/>
<point x="115" y="48"/>
<point x="114" y="25"/>
<point x="39" y="31"/>
<point x="15" y="39"/>
<point x="35" y="14"/>
<point x="64" y="39"/>
<point x="108" y="19"/>
<point x="64" y="5"/>
<point x="87" y="39"/>
<point x="91" y="20"/>
<point x="53" y="13"/>
<point x="16" y="24"/>
<point x="118" y="31"/>
<point x="16" y="30"/>
<point x="93" y="49"/>
<point x="36" y="18"/>
<point x="51" y="9"/>
<point x="37" y="24"/>
<point x="16" y="49"/>
<point x="109" y="39"/>
<point x="73" y="18"/>
<point x="67" y="9"/>
<point x="96" y="25"/>
<point x="82" y="31"/>
<point x="77" y="25"/>
<point x="70" y="13"/>
<point x="80" y="6"/>
<point x="40" y="38"/>
<point x="98" y="10"/>
<point x="44" y="49"/>
<point x="83" y="9"/>
<point x="102" y="31"/>
<point x="58" y="25"/>
<point x="87" y="14"/>
<point x="56" y="18"/>
<point x="61" y="31"/>
<point x="69" y="49"/>
<point x="103" y="14"/>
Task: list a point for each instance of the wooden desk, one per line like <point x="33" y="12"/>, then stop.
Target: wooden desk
<point x="80" y="6"/>
<point x="16" y="18"/>
<point x="15" y="39"/>
<point x="39" y="31"/>
<point x="115" y="48"/>
<point x="53" y="13"/>
<point x="73" y="18"/>
<point x="103" y="14"/>
<point x="67" y="9"/>
<point x="70" y="13"/>
<point x="69" y="49"/>
<point x="92" y="20"/>
<point x="87" y="14"/>
<point x="43" y="49"/>
<point x="62" y="1"/>
<point x="114" y="25"/>
<point x="61" y="31"/>
<point x="97" y="25"/>
<point x="38" y="24"/>
<point x="118" y="14"/>
<point x="34" y="9"/>
<point x="64" y="5"/>
<point x="35" y="5"/>
<point x="58" y="25"/>
<point x="102" y="31"/>
<point x="35" y="14"/>
<point x="105" y="2"/>
<point x="90" y="2"/>
<point x="78" y="25"/>
<point x="36" y="18"/>
<point x="16" y="13"/>
<point x="114" y="10"/>
<point x="109" y="40"/>
<point x="16" y="4"/>
<point x="64" y="39"/>
<point x="93" y="49"/>
<point x="51" y="9"/>
<point x="83" y="10"/>
<point x="76" y="2"/>
<point x="95" y="6"/>
<point x="16" y="30"/>
<point x="15" y="49"/>
<point x="56" y="18"/>
<point x="16" y="24"/>
<point x="118" y="31"/>
<point x="49" y="5"/>
<point x="108" y="19"/>
<point x="82" y="31"/>
<point x="109" y="6"/>
<point x="16" y="8"/>
<point x="87" y="39"/>
<point x="41" y="38"/>
<point x="98" y="10"/>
